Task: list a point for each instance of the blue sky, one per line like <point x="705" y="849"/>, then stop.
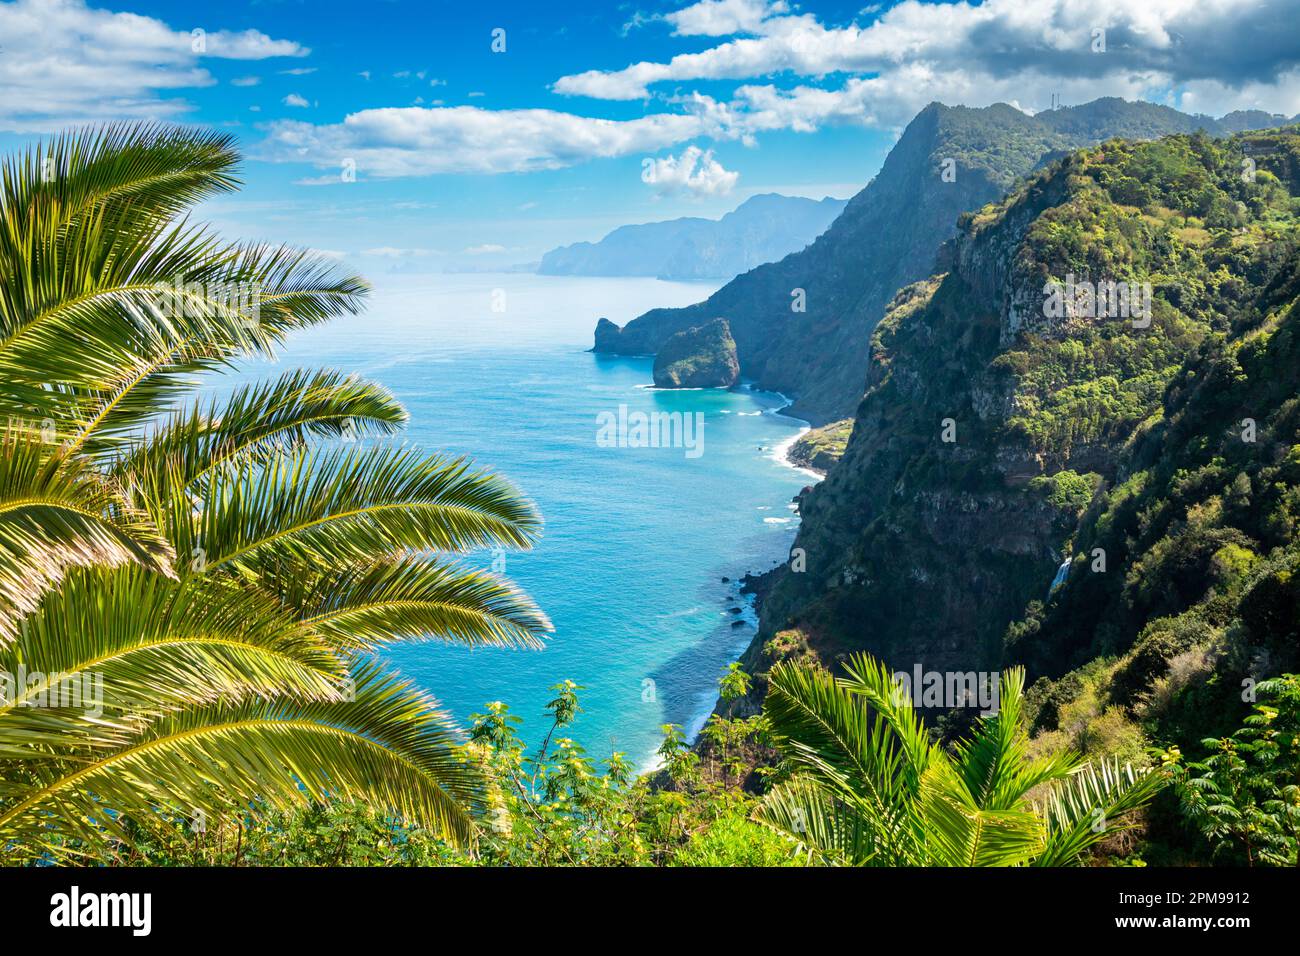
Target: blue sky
<point x="593" y="114"/>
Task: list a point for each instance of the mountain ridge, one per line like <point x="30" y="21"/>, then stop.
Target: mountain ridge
<point x="948" y="161"/>
<point x="764" y="227"/>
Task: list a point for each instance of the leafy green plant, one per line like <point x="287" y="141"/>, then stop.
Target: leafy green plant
<point x="1244" y="798"/>
<point x="869" y="787"/>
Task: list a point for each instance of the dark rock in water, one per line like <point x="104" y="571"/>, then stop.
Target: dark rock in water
<point x="607" y="335"/>
<point x="701" y="357"/>
<point x="737" y="623"/>
<point x="726" y="580"/>
<point x="733" y="610"/>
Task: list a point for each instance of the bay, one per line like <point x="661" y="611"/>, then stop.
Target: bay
<point x="636" y="539"/>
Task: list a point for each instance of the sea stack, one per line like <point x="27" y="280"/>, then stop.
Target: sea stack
<point x="701" y="357"/>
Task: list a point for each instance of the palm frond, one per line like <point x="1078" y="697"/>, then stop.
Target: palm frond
<point x="1094" y="801"/>
<point x="57" y="514"/>
<point x="390" y="747"/>
<point x="412" y="598"/>
<point x="959" y="831"/>
<point x="260" y="420"/>
<point x="110" y="650"/>
<point x="829" y="829"/>
<point x="349" y="505"/>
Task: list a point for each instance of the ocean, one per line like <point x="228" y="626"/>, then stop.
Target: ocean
<point x="637" y="540"/>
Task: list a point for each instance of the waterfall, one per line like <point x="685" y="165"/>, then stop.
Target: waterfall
<point x="1061" y="573"/>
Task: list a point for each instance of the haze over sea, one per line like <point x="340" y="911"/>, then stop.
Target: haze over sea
<point x="636" y="540"/>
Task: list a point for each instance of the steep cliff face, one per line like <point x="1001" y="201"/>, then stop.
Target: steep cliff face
<point x="803" y="325"/>
<point x="703" y="357"/>
<point x="886" y="237"/>
<point x="992" y="421"/>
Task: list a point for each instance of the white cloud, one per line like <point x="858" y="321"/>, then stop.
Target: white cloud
<point x="720" y="18"/>
<point x="695" y="171"/>
<point x="329" y="179"/>
<point x="245" y="45"/>
<point x="65" y="63"/>
<point x="299" y="71"/>
<point x="293" y="99"/>
<point x="246" y="81"/>
<point x="892" y="99"/>
<point x="993" y="45"/>
<point x="1199" y="55"/>
<point x="416" y="141"/>
<point x="485" y="249"/>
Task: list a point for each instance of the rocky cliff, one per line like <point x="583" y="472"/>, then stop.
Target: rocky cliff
<point x="803" y="325"/>
<point x="995" y="429"/>
<point x="703" y="357"/>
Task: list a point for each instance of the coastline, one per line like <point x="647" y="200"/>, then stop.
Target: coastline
<point x="747" y="593"/>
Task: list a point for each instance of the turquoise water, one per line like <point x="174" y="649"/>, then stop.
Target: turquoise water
<point x="636" y="540"/>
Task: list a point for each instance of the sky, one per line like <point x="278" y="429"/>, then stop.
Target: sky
<point x="440" y="136"/>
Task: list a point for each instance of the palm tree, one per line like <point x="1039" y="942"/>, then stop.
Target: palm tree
<point x="870" y="788"/>
<point x="219" y="573"/>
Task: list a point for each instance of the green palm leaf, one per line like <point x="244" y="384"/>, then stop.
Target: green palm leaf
<point x="1095" y="801"/>
<point x="869" y="788"/>
<point x="390" y="747"/>
<point x="350" y="505"/>
<point x="413" y="598"/>
<point x="116" y="649"/>
<point x="240" y="682"/>
<point x="57" y="514"/>
<point x="261" y="420"/>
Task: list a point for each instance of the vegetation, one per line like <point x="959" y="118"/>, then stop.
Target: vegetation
<point x="1245" y="797"/>
<point x="871" y="788"/>
<point x="822" y="447"/>
<point x="703" y="357"/>
<point x="190" y="589"/>
<point x="555" y="806"/>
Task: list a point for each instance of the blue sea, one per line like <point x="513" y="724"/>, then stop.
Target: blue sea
<point x="637" y="540"/>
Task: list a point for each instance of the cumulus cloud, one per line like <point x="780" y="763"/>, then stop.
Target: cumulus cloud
<point x="420" y="141"/>
<point x="66" y="63"/>
<point x="695" y="171"/>
<point x="720" y="18"/>
<point x="293" y="99"/>
<point x="1166" y="43"/>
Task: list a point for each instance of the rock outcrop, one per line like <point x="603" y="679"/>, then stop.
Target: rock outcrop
<point x="703" y="357"/>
